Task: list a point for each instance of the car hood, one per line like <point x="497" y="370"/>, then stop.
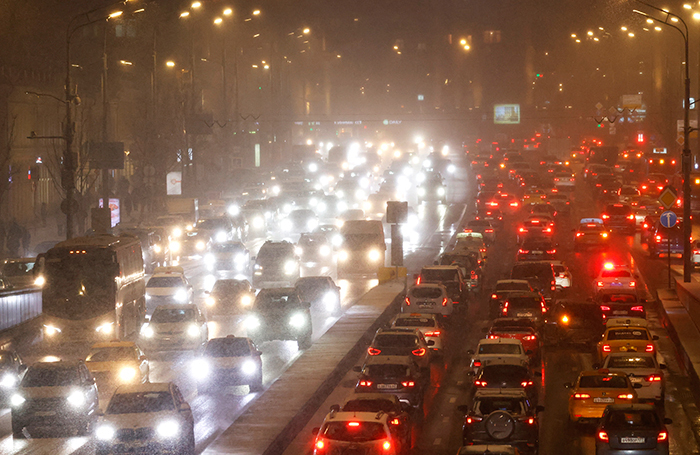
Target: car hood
<point x="141" y="419"/>
<point x="102" y="367"/>
<point x="162" y="291"/>
<point x="46" y="392"/>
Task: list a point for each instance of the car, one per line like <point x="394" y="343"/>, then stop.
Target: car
<point x="59" y="394"/>
<point x="626" y="335"/>
<point x="449" y="276"/>
<point x="320" y="292"/>
<point x="616" y="303"/>
<point x="192" y="244"/>
<point x="314" y="249"/>
<point x="614" y="276"/>
<point x="226" y="361"/>
<point x="525" y="305"/>
<point x="175" y="327"/>
<point x="632" y="429"/>
<point x="544" y="210"/>
<point x="536" y="249"/>
<point x="619" y="218"/>
<point x="561" y="202"/>
<point x="484" y="227"/>
<point x="228" y="255"/>
<point x="5" y="285"/>
<point x="280" y="314"/>
<point x="408" y="342"/>
<point x="488" y="449"/>
<point x="593" y="391"/>
<point x="168" y="285"/>
<point x="535" y="227"/>
<point x="398" y="375"/>
<point x="471" y="261"/>
<point x="153" y="415"/>
<point x="154" y="249"/>
<point x="361" y="431"/>
<point x="562" y="277"/>
<point x="219" y="229"/>
<point x="574" y="323"/>
<point x="665" y="241"/>
<point x="501" y="291"/>
<point x="522" y="330"/>
<point x="507" y="373"/>
<point x="647" y="228"/>
<point x="12" y="370"/>
<point x="19" y="272"/>
<point x="641" y="368"/>
<point x="469" y="241"/>
<point x="117" y="362"/>
<point x="534" y="196"/>
<point x="430" y="325"/>
<point x="490" y="348"/>
<point x="277" y="264"/>
<point x="591" y="233"/>
<point x="229" y="296"/>
<point x="493" y="215"/>
<point x="427" y="298"/>
<point x="629" y="194"/>
<point x="502" y="416"/>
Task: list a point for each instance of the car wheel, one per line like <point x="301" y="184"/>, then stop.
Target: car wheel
<point x="17" y="432"/>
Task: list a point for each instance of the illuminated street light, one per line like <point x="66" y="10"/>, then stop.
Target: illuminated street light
<point x="466" y="48"/>
<point x="462" y="41"/>
<point x="306" y="31"/>
<point x="573" y="35"/>
<point x="623" y="28"/>
<point x="184" y="14"/>
<point x="630" y="34"/>
<point x="687" y="6"/>
<point x="218" y="20"/>
<point x="125" y="62"/>
<point x="228" y="12"/>
<point x="657" y="28"/>
<point x="196" y="5"/>
<point x="589" y="33"/>
<point x="696" y="16"/>
<point x="650" y="21"/>
<point x="267" y="67"/>
<point x="256" y="12"/>
<point x="116" y="14"/>
<point x="578" y="40"/>
<point x="170" y="64"/>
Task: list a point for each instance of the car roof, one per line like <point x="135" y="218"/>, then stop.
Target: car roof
<point x="626" y="322"/>
<point x="416" y="316"/>
<point x="114" y="344"/>
<point x="512" y="282"/>
<point x="145" y="387"/>
<point x="514" y="393"/>
<point x="371" y="396"/>
<point x="170" y="270"/>
<point x="58" y="364"/>
<point x="389" y="360"/>
<point x="379" y="417"/>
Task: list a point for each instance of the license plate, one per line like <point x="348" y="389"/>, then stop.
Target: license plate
<point x="537" y="252"/>
<point x="426" y="304"/>
<point x="635" y="380"/>
<point x="45" y="413"/>
<point x="387" y="386"/>
<point x="603" y="400"/>
<point x="523" y="315"/>
<point x="632" y="440"/>
<point x="620" y="312"/>
<point x="615" y="284"/>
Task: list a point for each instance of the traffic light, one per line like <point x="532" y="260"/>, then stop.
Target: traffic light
<point x="640" y="137"/>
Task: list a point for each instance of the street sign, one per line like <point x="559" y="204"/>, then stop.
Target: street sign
<point x="668" y="219"/>
<point x="668" y="197"/>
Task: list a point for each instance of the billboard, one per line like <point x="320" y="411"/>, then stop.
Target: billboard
<point x="173" y="183"/>
<point x="506" y="114"/>
<point x="114" y="210"/>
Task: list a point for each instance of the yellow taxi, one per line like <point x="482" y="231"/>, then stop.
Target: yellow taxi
<point x="533" y="197"/>
<point x="626" y="335"/>
<point x="117" y="362"/>
<point x="594" y="390"/>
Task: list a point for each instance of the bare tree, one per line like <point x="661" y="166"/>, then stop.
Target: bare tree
<point x="7" y="171"/>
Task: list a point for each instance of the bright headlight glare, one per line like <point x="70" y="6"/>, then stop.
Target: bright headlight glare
<point x="193" y="331"/>
<point x="200" y="245"/>
<point x="76" y="399"/>
<point x="157" y="248"/>
<point x="290" y="267"/>
<point x="451" y="168"/>
<point x="252" y="322"/>
<point x="209" y="259"/>
<point x="220" y="236"/>
<point x="298" y="250"/>
<point x="234" y="210"/>
<point x="17" y="400"/>
<point x="287" y="225"/>
<point x="51" y="330"/>
<point x="374" y="255"/>
<point x="441" y="191"/>
<point x="324" y="250"/>
<point x="127" y="374"/>
<point x="330" y="300"/>
<point x="258" y="222"/>
<point x="39" y="281"/>
<point x="246" y="300"/>
<point x="298" y="320"/>
<point x="168" y="429"/>
<point x="174" y="247"/>
<point x="104" y="432"/>
<point x="105" y="328"/>
<point x="8" y="381"/>
<point x="249" y="367"/>
<point x="421" y="191"/>
<point x="180" y="296"/>
<point x="342" y="255"/>
<point x="311" y="224"/>
<point x="200" y="368"/>
<point x="177" y="232"/>
<point x="210" y="301"/>
<point x="147" y="331"/>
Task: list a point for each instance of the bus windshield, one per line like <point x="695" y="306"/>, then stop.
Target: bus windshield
<point x="80" y="285"/>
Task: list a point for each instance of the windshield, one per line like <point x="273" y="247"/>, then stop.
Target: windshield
<point x="524" y="303"/>
<point x="618" y="298"/>
<point x="51" y="376"/>
<point x="617" y="210"/>
<point x="426" y="293"/>
<point x="223" y="287"/>
<point x="615" y="274"/>
<point x="490" y="349"/>
<point x="136" y="403"/>
<point x="631" y="362"/>
<point x="227" y="247"/>
<point x="17" y="268"/>
<point x="116" y="354"/>
<point x="211" y="224"/>
<point x="395" y="341"/>
<point x="632" y="420"/>
<point x="603" y="382"/>
<point x="488" y="405"/>
<point x="354" y="431"/>
<point x="627" y="334"/>
<point x="172" y="315"/>
<point x="275" y="254"/>
<point x="414" y="322"/>
<point x="165" y="282"/>
<point x="227" y="347"/>
<point x="266" y="300"/>
<point x="466" y="261"/>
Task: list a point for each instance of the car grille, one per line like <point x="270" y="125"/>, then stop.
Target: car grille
<point x="133" y="434"/>
<point x="170" y="332"/>
<point x="45" y="404"/>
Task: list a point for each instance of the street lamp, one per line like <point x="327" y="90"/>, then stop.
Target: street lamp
<point x="671" y="20"/>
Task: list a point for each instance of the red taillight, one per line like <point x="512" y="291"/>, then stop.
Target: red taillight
<point x="408" y="302"/>
<point x="480" y="383"/>
<point x="474" y="275"/>
<point x="600" y="284"/>
<point x="418" y="280"/>
<point x="444" y="301"/>
<point x="645" y="226"/>
<point x="658" y="238"/>
<point x="633" y="284"/>
<point x="526" y="384"/>
<point x="630" y="217"/>
<point x="649" y="348"/>
<point x="548" y="230"/>
<point x="603" y="436"/>
<point x="433" y="333"/>
<point x="529" y="337"/>
<point x="488" y="231"/>
<point x="353" y="424"/>
<point x="365" y="383"/>
<point x="604" y="308"/>
<point x="625" y="396"/>
<point x="653" y="378"/>
<point x="521" y="230"/>
<point x="530" y="420"/>
<point x="477" y="363"/>
<point x="493" y="337"/>
<point x="644" y="187"/>
<point x="386" y="446"/>
<point x="605" y="217"/>
<point x="494" y="296"/>
<point x="408" y="384"/>
<point x="581" y="396"/>
<point x="551" y="251"/>
<point x="663" y="436"/>
<point x="521" y="251"/>
<point x="395" y="422"/>
<point x="579" y="234"/>
<point x="637" y="308"/>
<point x="320" y="444"/>
<point x="606" y="348"/>
<point x="420" y="352"/>
<point x="513" y="204"/>
<point x="373" y="351"/>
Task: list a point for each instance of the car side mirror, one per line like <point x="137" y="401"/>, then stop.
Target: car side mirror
<point x="655" y="337"/>
<point x="463" y="408"/>
<point x="315" y="431"/>
<point x="539" y="408"/>
<point x="431" y="343"/>
<point x="357" y="369"/>
<point x="100" y="413"/>
<point x="637" y="385"/>
<point x="185" y="407"/>
<point x="668" y="421"/>
<point x="470" y="352"/>
<point x="143" y="358"/>
<point x="568" y="385"/>
<point x="335" y="408"/>
<point x="90" y="381"/>
<point x="662" y="366"/>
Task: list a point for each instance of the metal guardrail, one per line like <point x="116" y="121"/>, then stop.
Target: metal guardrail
<point x="19" y="306"/>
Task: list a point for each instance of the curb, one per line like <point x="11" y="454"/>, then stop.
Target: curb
<point x="307" y="411"/>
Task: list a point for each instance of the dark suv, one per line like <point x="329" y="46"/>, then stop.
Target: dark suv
<point x="505" y="373"/>
<point x="619" y="218"/>
<point x="280" y="314"/>
<point x="321" y="292"/>
<point x="451" y="277"/>
<point x="277" y="262"/>
<point x="502" y="416"/>
<point x="55" y="394"/>
<point x="539" y="274"/>
<point x="525" y="305"/>
<point x="632" y="428"/>
<point x="397" y="375"/>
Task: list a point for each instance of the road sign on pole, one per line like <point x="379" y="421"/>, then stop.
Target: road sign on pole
<point x="668" y="219"/>
<point x="668" y="197"/>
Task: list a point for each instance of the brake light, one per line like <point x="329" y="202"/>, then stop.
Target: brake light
<point x="493" y="337"/>
<point x="480" y="383"/>
<point x="653" y="378"/>
<point x="603" y="436"/>
<point x="604" y="308"/>
<point x="320" y="444"/>
<point x="530" y="337"/>
<point x="386" y="446"/>
<point x="649" y="348"/>
<point x="625" y="396"/>
<point x="433" y="333"/>
<point x="644" y="187"/>
<point x="548" y="230"/>
<point x="535" y="221"/>
<point x="420" y="352"/>
<point x="395" y="422"/>
<point x="418" y="280"/>
<point x="637" y="308"/>
<point x="551" y="251"/>
<point x="605" y="217"/>
<point x="365" y="383"/>
<point x="488" y="231"/>
<point x="494" y="296"/>
<point x="373" y="351"/>
<point x="530" y="420"/>
<point x="521" y="251"/>
<point x="514" y="204"/>
<point x="604" y="235"/>
<point x="600" y="284"/>
<point x="526" y="384"/>
<point x="633" y="284"/>
<point x="606" y="348"/>
<point x="579" y="234"/>
<point x="521" y="230"/>
<point x="630" y="217"/>
<point x="663" y="436"/>
<point x="408" y="302"/>
<point x="444" y="301"/>
<point x="581" y="396"/>
<point x="477" y="363"/>
<point x="408" y="383"/>
<point x="645" y="226"/>
<point x="658" y="238"/>
<point x="353" y="424"/>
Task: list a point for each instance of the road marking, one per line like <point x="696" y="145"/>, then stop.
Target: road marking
<point x="453" y="399"/>
<point x="437" y="441"/>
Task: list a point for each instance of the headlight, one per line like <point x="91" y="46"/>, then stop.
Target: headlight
<point x="249" y="367"/>
<point x="209" y="259"/>
<point x="246" y="300"/>
<point x="441" y="191"/>
<point x="234" y="210"/>
<point x="180" y="296"/>
<point x="127" y="374"/>
<point x="321" y="207"/>
<point x="258" y="222"/>
<point x="51" y="330"/>
<point x="17" y="400"/>
<point x="298" y="320"/>
<point x="252" y="322"/>
<point x="76" y="399"/>
<point x="147" y="331"/>
<point x="290" y="267"/>
<point x="298" y="250"/>
<point x="239" y="259"/>
<point x="210" y="301"/>
<point x="451" y="168"/>
<point x="148" y="297"/>
<point x="276" y="190"/>
<point x="193" y="331"/>
<point x="200" y="368"/>
<point x="168" y="429"/>
<point x="337" y="240"/>
<point x="286" y="225"/>
<point x="175" y="246"/>
<point x="104" y="432"/>
<point x="312" y="224"/>
<point x="421" y="192"/>
<point x="220" y="236"/>
<point x="200" y="246"/>
<point x="330" y="300"/>
<point x="342" y="255"/>
<point x="177" y="232"/>
<point x="8" y="381"/>
<point x="157" y="248"/>
<point x="324" y="250"/>
<point x="39" y="281"/>
<point x="106" y="328"/>
<point x="374" y="255"/>
<point x="360" y="195"/>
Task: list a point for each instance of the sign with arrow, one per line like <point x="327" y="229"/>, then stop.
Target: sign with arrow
<point x="668" y="219"/>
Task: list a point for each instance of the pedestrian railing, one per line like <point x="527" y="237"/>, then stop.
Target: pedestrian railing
<point x="19" y="306"/>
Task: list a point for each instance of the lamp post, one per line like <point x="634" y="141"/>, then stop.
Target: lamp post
<point x="670" y="20"/>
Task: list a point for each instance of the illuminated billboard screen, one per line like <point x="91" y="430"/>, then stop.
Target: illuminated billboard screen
<point x="506" y="114"/>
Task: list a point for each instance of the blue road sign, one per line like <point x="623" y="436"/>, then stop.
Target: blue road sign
<point x="668" y="219"/>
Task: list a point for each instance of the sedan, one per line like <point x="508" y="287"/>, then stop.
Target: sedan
<point x="630" y="429"/>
